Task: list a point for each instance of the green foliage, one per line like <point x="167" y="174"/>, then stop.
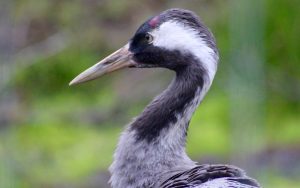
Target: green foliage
<point x="47" y="153"/>
<point x="51" y="76"/>
<point x="209" y="135"/>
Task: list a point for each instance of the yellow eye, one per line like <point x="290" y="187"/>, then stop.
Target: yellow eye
<point x="149" y="38"/>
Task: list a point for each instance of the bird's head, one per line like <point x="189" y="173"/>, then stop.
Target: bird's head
<point x="173" y="39"/>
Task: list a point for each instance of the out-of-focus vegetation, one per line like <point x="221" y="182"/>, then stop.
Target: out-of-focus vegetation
<point x="52" y="135"/>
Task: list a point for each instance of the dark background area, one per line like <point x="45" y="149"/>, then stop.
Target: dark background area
<point x="53" y="135"/>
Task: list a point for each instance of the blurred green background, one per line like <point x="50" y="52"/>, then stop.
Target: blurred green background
<point x="53" y="135"/>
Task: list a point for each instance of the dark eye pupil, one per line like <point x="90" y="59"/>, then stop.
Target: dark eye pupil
<point x="147" y="37"/>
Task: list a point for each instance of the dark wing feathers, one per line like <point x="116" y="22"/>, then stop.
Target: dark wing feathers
<point x="203" y="174"/>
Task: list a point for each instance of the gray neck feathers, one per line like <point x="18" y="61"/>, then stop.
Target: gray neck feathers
<point x="152" y="147"/>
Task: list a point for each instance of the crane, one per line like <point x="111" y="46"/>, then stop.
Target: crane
<point x="151" y="150"/>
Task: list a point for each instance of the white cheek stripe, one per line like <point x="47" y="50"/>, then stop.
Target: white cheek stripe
<point x="173" y="35"/>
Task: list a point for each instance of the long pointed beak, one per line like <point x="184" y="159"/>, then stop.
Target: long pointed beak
<point x="120" y="59"/>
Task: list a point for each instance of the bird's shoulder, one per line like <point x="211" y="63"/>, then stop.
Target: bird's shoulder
<point x="210" y="176"/>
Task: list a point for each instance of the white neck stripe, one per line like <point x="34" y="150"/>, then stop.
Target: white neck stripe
<point x="173" y="35"/>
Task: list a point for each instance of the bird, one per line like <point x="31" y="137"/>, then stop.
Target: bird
<point x="151" y="150"/>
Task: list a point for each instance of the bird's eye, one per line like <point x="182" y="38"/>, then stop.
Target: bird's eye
<point x="149" y="38"/>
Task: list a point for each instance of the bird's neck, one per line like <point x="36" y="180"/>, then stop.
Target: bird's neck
<point x="173" y="107"/>
<point x="154" y="142"/>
